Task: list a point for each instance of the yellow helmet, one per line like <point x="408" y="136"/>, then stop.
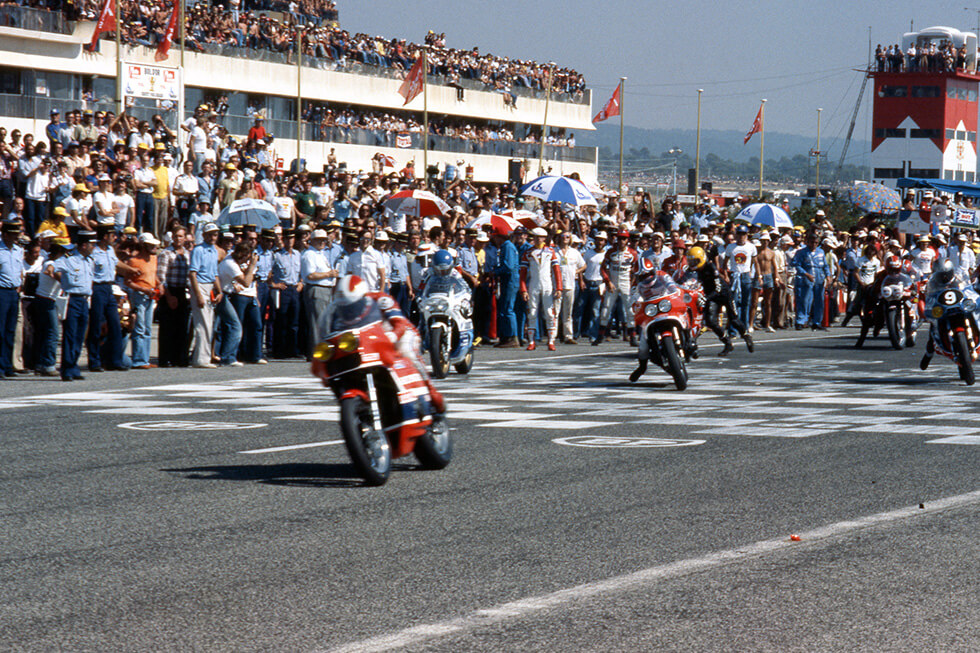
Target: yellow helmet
<point x="696" y="258"/>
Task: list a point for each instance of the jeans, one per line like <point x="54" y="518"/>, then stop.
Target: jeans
<point x="247" y="310"/>
<point x="742" y="293"/>
<point x="590" y="301"/>
<point x="35" y="212"/>
<point x="144" y="211"/>
<point x="105" y="310"/>
<point x="9" y="312"/>
<point x="46" y="333"/>
<point x="142" y="306"/>
<point x="506" y="316"/>
<point x="231" y="335"/>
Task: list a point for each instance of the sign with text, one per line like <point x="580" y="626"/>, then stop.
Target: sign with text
<point x="151" y="82"/>
<point x="914" y="222"/>
<point x="965" y="218"/>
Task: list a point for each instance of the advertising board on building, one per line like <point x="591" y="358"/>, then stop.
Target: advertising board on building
<point x="151" y="82"/>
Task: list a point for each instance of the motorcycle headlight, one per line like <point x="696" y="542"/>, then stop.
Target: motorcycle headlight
<point x="323" y="351"/>
<point x="347" y="342"/>
<point x="438" y="304"/>
<point x="664" y="305"/>
<point x="886" y="292"/>
<point x="937" y="311"/>
<point x="465" y="307"/>
<point x="969" y="305"/>
<point x="650" y="310"/>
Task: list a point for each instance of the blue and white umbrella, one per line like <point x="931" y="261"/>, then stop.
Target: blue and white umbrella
<point x="766" y="215"/>
<point x="249" y="211"/>
<point x="559" y="189"/>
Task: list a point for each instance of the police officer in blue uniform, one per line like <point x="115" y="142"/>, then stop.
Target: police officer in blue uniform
<point x="75" y="273"/>
<point x="811" y="272"/>
<point x="286" y="284"/>
<point x="263" y="270"/>
<point x="507" y="270"/>
<point x="467" y="258"/>
<point x="401" y="287"/>
<point x="105" y="309"/>
<point x="11" y="279"/>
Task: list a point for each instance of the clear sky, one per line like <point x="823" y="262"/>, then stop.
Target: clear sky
<point x="799" y="55"/>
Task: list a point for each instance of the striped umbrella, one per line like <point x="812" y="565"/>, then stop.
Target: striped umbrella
<point x="499" y="223"/>
<point x="874" y="198"/>
<point x="420" y="203"/>
<point x="766" y="215"/>
<point x="526" y="218"/>
<point x="551" y="188"/>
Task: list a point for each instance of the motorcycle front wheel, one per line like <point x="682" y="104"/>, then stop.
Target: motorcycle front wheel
<point x="435" y="449"/>
<point x="963" y="358"/>
<point x="464" y="366"/>
<point x="894" y="329"/>
<point x="440" y="363"/>
<point x="675" y="364"/>
<point x="368" y="449"/>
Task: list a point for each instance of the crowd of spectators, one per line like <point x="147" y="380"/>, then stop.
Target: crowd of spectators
<point x="274" y="26"/>
<point x="933" y="58"/>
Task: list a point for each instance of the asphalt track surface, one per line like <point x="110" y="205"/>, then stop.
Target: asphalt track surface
<point x="118" y="538"/>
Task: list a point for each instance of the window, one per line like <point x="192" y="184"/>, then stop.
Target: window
<point x="948" y="174"/>
<point x="961" y="94"/>
<point x="950" y="134"/>
<point x="927" y="173"/>
<point x="951" y="92"/>
<point x="889" y="173"/>
<point x="925" y="133"/>
<point x="960" y="176"/>
<point x="972" y="95"/>
<point x="889" y="132"/>
<point x="10" y="81"/>
<point x="960" y="135"/>
<point x="893" y="91"/>
<point x="926" y="91"/>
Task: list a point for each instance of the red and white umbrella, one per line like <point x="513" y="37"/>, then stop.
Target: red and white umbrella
<point x="420" y="203"/>
<point x="499" y="223"/>
<point x="526" y="218"/>
<point x="386" y="160"/>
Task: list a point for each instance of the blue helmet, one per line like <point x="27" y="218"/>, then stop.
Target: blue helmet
<point x="442" y="262"/>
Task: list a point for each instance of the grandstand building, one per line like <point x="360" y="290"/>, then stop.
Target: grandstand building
<point x="45" y="65"/>
<point x="925" y="108"/>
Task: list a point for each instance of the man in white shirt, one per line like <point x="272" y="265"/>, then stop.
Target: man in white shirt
<point x="318" y="281"/>
<point x="963" y="259"/>
<point x="185" y="191"/>
<point x="742" y="270"/>
<point x="591" y="295"/>
<point x="572" y="266"/>
<point x="369" y="264"/>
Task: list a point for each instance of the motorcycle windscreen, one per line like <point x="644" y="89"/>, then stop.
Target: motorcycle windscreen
<point x="657" y="285"/>
<point x="349" y="317"/>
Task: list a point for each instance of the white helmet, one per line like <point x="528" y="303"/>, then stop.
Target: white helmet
<point x="350" y="290"/>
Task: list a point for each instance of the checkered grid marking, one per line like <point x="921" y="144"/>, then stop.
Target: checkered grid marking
<point x="757" y="400"/>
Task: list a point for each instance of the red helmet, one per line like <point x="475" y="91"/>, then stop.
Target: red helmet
<point x="893" y="263"/>
<point x="679" y="244"/>
<point x="350" y="289"/>
<point x="622" y="233"/>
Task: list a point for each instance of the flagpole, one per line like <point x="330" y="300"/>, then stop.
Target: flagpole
<point x="120" y="101"/>
<point x="697" y="151"/>
<point x="183" y="38"/>
<point x="425" y="116"/>
<point x="762" y="142"/>
<point x="299" y="93"/>
<point x="544" y="124"/>
<point x="622" y="92"/>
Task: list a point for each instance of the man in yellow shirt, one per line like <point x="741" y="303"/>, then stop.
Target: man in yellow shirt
<point x="56" y="223"/>
<point x="161" y="194"/>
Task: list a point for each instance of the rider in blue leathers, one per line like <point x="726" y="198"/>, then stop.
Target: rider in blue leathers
<point x="811" y="273"/>
<point x="507" y="270"/>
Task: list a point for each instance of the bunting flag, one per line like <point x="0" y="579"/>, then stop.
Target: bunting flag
<point x="756" y="126"/>
<point x="106" y="23"/>
<point x="414" y="82"/>
<point x="612" y="106"/>
<point x="403" y="140"/>
<point x="163" y="49"/>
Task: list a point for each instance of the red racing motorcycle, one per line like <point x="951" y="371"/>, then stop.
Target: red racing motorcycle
<point x="386" y="410"/>
<point x="668" y="320"/>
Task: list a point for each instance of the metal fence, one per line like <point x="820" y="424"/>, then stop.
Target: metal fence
<point x="41" y="20"/>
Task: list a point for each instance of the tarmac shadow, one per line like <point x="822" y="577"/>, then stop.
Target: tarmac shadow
<point x="291" y="475"/>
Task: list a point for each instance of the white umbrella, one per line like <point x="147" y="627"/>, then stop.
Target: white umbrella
<point x="551" y="188"/>
<point x="765" y="215"/>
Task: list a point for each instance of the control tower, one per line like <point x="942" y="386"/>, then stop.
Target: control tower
<point x="925" y="108"/>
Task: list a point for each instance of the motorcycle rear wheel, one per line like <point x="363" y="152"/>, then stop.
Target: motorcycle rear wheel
<point x="894" y="330"/>
<point x="435" y="449"/>
<point x="369" y="450"/>
<point x="440" y="364"/>
<point x="963" y="358"/>
<point x="464" y="366"/>
<point x="675" y="364"/>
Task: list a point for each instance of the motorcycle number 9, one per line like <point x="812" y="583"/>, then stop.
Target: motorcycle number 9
<point x="950" y="298"/>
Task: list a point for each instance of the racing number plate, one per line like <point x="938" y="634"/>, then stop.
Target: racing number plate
<point x="950" y="297"/>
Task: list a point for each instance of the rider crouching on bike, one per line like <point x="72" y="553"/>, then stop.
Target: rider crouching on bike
<point x="354" y="307"/>
<point x="717" y="296"/>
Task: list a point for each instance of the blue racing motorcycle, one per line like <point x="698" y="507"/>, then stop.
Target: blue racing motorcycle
<point x="954" y="323"/>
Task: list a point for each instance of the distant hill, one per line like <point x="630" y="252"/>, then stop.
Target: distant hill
<point x="726" y="144"/>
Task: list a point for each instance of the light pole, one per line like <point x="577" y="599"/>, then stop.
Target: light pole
<point x="697" y="150"/>
<point x="674" y="152"/>
<point x="818" y="151"/>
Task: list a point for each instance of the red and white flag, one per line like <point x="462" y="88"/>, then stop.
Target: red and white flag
<point x="403" y="140"/>
<point x="163" y="48"/>
<point x="612" y="106"/>
<point x="386" y="160"/>
<point x="414" y="82"/>
<point x="106" y="23"/>
<point x="756" y="126"/>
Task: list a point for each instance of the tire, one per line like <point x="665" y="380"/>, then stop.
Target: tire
<point x="370" y="452"/>
<point x="464" y="366"/>
<point x="894" y="332"/>
<point x="440" y="365"/>
<point x="675" y="364"/>
<point x="963" y="358"/>
<point x="435" y="449"/>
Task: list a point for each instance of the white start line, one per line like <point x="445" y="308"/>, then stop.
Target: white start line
<point x="423" y="633"/>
